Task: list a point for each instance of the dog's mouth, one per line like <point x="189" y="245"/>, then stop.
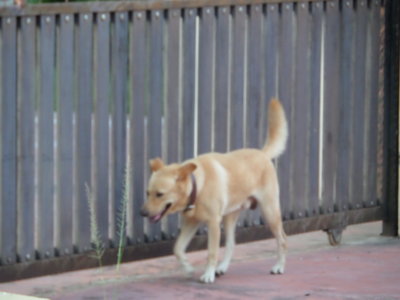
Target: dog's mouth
<point x="156" y="218"/>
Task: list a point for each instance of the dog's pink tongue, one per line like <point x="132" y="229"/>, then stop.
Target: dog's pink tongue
<point x="156" y="218"/>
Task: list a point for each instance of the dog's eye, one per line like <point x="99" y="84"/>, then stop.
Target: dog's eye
<point x="158" y="195"/>
<point x="148" y="193"/>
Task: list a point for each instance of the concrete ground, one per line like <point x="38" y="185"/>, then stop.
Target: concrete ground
<point x="365" y="266"/>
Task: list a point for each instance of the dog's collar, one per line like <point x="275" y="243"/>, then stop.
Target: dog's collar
<point x="192" y="196"/>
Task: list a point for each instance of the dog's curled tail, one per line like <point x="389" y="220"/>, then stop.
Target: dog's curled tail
<point x="277" y="130"/>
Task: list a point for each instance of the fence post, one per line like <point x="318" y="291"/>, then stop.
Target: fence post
<point x="8" y="142"/>
<point x="391" y="86"/>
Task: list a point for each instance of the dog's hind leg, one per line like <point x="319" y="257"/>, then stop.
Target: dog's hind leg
<point x="229" y="227"/>
<point x="272" y="215"/>
<point x="188" y="230"/>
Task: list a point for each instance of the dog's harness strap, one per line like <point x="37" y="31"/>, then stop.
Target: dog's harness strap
<point x="192" y="196"/>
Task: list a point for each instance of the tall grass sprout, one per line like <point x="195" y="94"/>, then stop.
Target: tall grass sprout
<point x="121" y="223"/>
<point x="95" y="236"/>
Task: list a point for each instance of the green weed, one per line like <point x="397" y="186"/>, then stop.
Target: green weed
<point x="122" y="215"/>
<point x="95" y="236"/>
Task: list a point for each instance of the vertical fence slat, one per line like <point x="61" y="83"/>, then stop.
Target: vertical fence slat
<point x="300" y="133"/>
<point x="255" y="106"/>
<point x="45" y="219"/>
<point x="238" y="78"/>
<point x="84" y="115"/>
<point x="102" y="73"/>
<point x="222" y="51"/>
<point x="271" y="32"/>
<point x="358" y="170"/>
<point x="203" y="69"/>
<point x="286" y="87"/>
<point x="188" y="82"/>
<point x="237" y="88"/>
<point x="173" y="98"/>
<point x="65" y="134"/>
<point x="206" y="78"/>
<point x="138" y="70"/>
<point x="271" y="59"/>
<point x="26" y="134"/>
<point x="255" y="103"/>
<point x="120" y="72"/>
<point x="343" y="180"/>
<point x="8" y="222"/>
<point x="331" y="107"/>
<point x="155" y="97"/>
<point x="373" y="100"/>
<point x="314" y="131"/>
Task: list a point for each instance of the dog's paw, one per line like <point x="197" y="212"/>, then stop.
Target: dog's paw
<point x="208" y="276"/>
<point x="221" y="270"/>
<point x="188" y="268"/>
<point x="278" y="269"/>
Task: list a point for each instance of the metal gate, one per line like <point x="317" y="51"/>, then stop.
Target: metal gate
<point x="91" y="91"/>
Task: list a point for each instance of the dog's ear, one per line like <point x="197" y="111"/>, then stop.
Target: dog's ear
<point x="156" y="164"/>
<point x="186" y="170"/>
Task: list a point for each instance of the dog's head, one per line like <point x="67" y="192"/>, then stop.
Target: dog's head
<point x="167" y="190"/>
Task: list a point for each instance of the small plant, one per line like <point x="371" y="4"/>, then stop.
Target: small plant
<point x="122" y="214"/>
<point x="95" y="236"/>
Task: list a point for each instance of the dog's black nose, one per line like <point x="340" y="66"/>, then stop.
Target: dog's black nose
<point x="143" y="212"/>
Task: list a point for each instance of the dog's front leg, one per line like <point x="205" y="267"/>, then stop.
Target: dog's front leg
<point x="188" y="230"/>
<point x="229" y="227"/>
<point x="214" y="235"/>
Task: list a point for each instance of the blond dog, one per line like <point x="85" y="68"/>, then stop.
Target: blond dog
<point x="214" y="188"/>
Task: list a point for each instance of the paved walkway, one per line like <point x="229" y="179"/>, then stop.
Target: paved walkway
<point x="364" y="266"/>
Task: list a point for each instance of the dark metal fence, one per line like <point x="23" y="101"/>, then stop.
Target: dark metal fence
<point x="92" y="91"/>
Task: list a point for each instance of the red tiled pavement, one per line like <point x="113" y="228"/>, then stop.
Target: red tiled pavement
<point x="364" y="266"/>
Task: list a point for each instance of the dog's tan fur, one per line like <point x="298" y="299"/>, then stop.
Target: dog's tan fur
<point x="226" y="184"/>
